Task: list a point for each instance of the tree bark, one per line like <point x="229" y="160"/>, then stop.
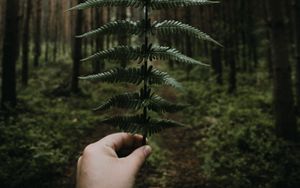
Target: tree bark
<point x="77" y="51"/>
<point x="25" y="44"/>
<point x="297" y="35"/>
<point x="188" y="43"/>
<point x="10" y="55"/>
<point x="122" y="38"/>
<point x="230" y="48"/>
<point x="217" y="64"/>
<point x="37" y="34"/>
<point x="99" y="64"/>
<point x="285" y="120"/>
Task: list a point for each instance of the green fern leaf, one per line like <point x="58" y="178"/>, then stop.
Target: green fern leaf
<point x="168" y="27"/>
<point x="126" y="100"/>
<point x="137" y="124"/>
<point x="115" y="27"/>
<point x="117" y="75"/>
<point x="134" y="101"/>
<point x="159" y="77"/>
<point x="120" y="52"/>
<point x="162" y="52"/>
<point x="163" y="4"/>
<point x="156" y="52"/>
<point x="158" y="104"/>
<point x="154" y="4"/>
<point x="133" y="76"/>
<point x="111" y="3"/>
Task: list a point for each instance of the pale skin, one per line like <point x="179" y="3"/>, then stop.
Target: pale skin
<point x="101" y="167"/>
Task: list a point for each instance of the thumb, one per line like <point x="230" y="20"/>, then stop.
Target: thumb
<point x="138" y="157"/>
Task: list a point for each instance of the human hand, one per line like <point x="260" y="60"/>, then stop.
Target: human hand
<point x="100" y="167"/>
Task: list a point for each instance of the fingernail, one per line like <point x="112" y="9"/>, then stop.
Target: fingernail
<point x="147" y="150"/>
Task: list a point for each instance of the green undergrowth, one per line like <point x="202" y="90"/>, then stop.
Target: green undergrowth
<point x="238" y="145"/>
<point x="46" y="132"/>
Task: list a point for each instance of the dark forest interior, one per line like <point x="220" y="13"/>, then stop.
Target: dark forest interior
<point x="241" y="126"/>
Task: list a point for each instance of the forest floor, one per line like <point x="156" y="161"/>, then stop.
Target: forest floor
<point x="182" y="167"/>
<point x="178" y="167"/>
<point x="228" y="140"/>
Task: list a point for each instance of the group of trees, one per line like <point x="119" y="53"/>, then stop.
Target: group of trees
<point x="255" y="34"/>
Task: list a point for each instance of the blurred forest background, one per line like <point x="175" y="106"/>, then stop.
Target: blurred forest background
<point x="241" y="127"/>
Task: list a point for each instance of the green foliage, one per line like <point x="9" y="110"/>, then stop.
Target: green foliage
<point x="145" y="53"/>
<point x="164" y="28"/>
<point x="154" y="4"/>
<point x="134" y="101"/>
<point x="138" y="124"/>
<point x="134" y="76"/>
<point x="39" y="144"/>
<point x="238" y="146"/>
<point x="169" y="27"/>
<point x="117" y="27"/>
<point x="154" y="53"/>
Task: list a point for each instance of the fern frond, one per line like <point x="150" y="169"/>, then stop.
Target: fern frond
<point x="133" y="76"/>
<point x="134" y="101"/>
<point x="158" y="104"/>
<point x="119" y="52"/>
<point x="126" y="100"/>
<point x="110" y="3"/>
<point x="169" y="27"/>
<point x="159" y="77"/>
<point x="162" y="52"/>
<point x="163" y="4"/>
<point x="115" y="27"/>
<point x="117" y="75"/>
<point x="155" y="52"/>
<point x="137" y="124"/>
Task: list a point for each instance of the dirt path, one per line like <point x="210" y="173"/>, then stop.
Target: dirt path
<point x="181" y="168"/>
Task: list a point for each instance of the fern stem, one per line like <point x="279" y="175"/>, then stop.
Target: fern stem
<point x="145" y="110"/>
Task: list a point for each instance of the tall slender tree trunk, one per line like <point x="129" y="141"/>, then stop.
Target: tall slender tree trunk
<point x="48" y="15"/>
<point x="188" y="43"/>
<point x="25" y="44"/>
<point x="108" y="37"/>
<point x="230" y="48"/>
<point x="10" y="55"/>
<point x="266" y="15"/>
<point x="99" y="64"/>
<point x="37" y="34"/>
<point x="77" y="51"/>
<point x="216" y="53"/>
<point x="297" y="35"/>
<point x="122" y="38"/>
<point x="285" y="120"/>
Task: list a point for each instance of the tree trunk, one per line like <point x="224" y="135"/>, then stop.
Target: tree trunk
<point x="297" y="35"/>
<point x="37" y="34"/>
<point x="77" y="51"/>
<point x="188" y="43"/>
<point x="10" y="55"/>
<point x="99" y="64"/>
<point x="25" y="44"/>
<point x="230" y="48"/>
<point x="285" y="120"/>
<point x="48" y="16"/>
<point x="217" y="64"/>
<point x="122" y="38"/>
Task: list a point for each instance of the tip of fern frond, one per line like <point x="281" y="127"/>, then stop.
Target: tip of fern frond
<point x="70" y="9"/>
<point x="214" y="2"/>
<point x="79" y="36"/>
<point x="219" y="44"/>
<point x="81" y="77"/>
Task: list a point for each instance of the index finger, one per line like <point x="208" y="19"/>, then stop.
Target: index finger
<point x="121" y="140"/>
